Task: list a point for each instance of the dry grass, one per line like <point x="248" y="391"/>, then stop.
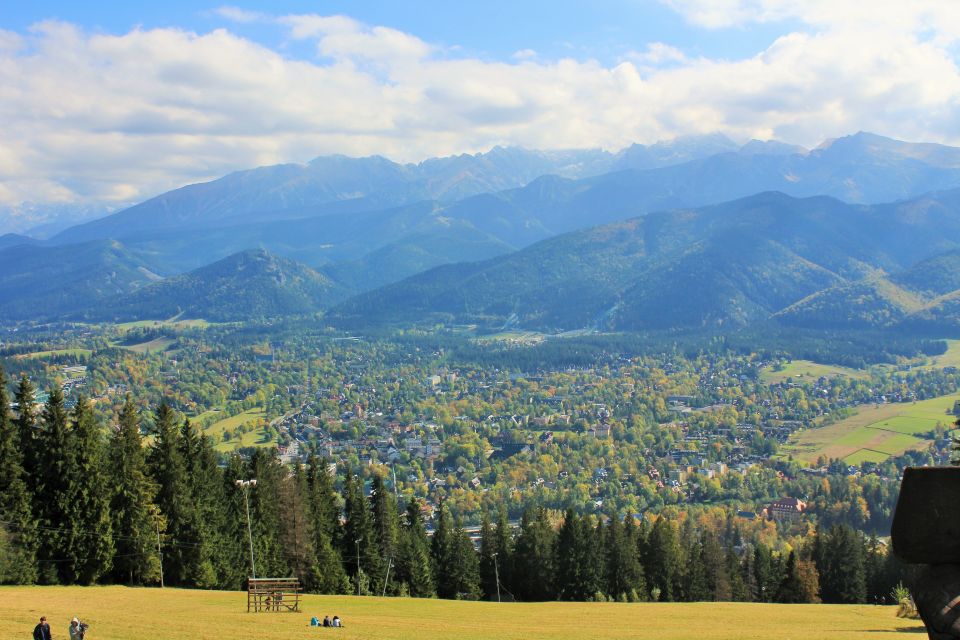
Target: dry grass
<point x="119" y="613"/>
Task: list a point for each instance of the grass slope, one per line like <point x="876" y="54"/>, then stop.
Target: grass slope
<point x="807" y="370"/>
<point x="121" y="613"/>
<point x="874" y="434"/>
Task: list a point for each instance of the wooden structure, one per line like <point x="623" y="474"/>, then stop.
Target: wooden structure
<point x="273" y="594"/>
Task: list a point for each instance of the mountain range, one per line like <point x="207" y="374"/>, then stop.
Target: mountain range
<point x="633" y="238"/>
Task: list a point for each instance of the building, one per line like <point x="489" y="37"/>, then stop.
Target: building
<point x="786" y="509"/>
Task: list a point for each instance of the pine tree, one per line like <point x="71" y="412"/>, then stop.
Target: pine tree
<point x="504" y="547"/>
<point x="20" y="561"/>
<point x="91" y="545"/>
<point x="767" y="576"/>
<point x="464" y="566"/>
<point x="568" y="561"/>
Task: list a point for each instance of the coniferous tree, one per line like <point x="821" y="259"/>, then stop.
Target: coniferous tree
<point x="715" y="569"/>
<point x="384" y="509"/>
<point x="55" y="514"/>
<point x="623" y="571"/>
<point x="324" y="522"/>
<point x="19" y="564"/>
<point x="533" y="558"/>
<point x="738" y="588"/>
<point x="414" y="568"/>
<point x="568" y="563"/>
<point x="91" y="546"/>
<point x="489" y="570"/>
<point x="464" y="566"/>
<point x="504" y="546"/>
<point x="296" y="534"/>
<point x="135" y="518"/>
<point x="663" y="560"/>
<point x="266" y="514"/>
<point x="207" y="520"/>
<point x="235" y="552"/>
<point x="168" y="471"/>
<point x="359" y="538"/>
<point x="766" y="573"/>
<point x="800" y="584"/>
<point x="442" y="548"/>
<point x="841" y="566"/>
<point x="28" y="433"/>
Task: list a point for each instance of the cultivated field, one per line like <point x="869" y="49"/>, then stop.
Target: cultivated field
<point x="875" y="433"/>
<point x="120" y="613"/>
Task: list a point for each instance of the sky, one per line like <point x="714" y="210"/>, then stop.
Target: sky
<point x="104" y="104"/>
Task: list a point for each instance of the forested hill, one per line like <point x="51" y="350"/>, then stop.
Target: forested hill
<point x="727" y="265"/>
<point x="249" y="284"/>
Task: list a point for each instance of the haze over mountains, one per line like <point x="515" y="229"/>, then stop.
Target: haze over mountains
<point x="498" y="220"/>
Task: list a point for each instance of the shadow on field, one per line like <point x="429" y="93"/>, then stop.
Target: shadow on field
<point x="898" y="630"/>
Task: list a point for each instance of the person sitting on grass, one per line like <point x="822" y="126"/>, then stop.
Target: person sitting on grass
<point x="336" y="622"/>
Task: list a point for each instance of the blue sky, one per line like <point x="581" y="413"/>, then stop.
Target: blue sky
<point x="604" y="30"/>
<point x="105" y="104"/>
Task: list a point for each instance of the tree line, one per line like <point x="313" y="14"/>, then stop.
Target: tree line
<point x="80" y="504"/>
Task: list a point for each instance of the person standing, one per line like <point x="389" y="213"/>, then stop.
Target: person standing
<point x="76" y="631"/>
<point x="42" y="630"/>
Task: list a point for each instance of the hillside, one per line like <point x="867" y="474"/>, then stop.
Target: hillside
<point x="246" y="285"/>
<point x="116" y="613"/>
<point x="43" y="283"/>
<point x="727" y="265"/>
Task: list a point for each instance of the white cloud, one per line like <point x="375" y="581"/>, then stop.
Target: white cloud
<point x="95" y="117"/>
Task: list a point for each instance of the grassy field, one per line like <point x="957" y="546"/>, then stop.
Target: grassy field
<point x="807" y="370"/>
<point x="874" y="434"/>
<point x="950" y="359"/>
<point x="120" y="613"/>
<point x="55" y="352"/>
<point x="152" y="346"/>
<point x="249" y="439"/>
<point x="172" y="323"/>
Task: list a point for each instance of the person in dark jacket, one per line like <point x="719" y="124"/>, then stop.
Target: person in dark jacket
<point x="42" y="630"/>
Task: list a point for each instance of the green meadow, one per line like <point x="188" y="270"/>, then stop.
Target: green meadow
<point x="122" y="613"/>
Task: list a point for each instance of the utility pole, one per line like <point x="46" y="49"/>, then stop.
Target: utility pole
<point x="245" y="485"/>
<point x="357" y="543"/>
<point x="387" y="577"/>
<point x="496" y="573"/>
<point x="156" y="519"/>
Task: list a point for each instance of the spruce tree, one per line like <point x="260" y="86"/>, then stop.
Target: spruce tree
<point x="414" y="567"/>
<point x="841" y="566"/>
<point x="623" y="571"/>
<point x="135" y="518"/>
<point x="504" y="546"/>
<point x="568" y="562"/>
<point x="207" y="563"/>
<point x="464" y="566"/>
<point x="442" y="548"/>
<point x="168" y="472"/>
<point x="324" y="516"/>
<point x="28" y="432"/>
<point x="20" y="561"/>
<point x="359" y="538"/>
<point x="534" y="556"/>
<point x="384" y="509"/>
<point x="488" y="568"/>
<point x="91" y="545"/>
<point x="53" y="510"/>
<point x="716" y="569"/>
<point x="663" y="559"/>
<point x="296" y="533"/>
